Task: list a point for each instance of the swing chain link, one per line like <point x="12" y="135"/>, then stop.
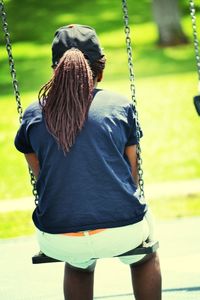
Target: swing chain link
<point x="133" y="94"/>
<point x="11" y="61"/>
<point x="195" y="37"/>
<point x="15" y="85"/>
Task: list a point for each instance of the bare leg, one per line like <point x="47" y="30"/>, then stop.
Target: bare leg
<point x="146" y="278"/>
<point x="78" y="283"/>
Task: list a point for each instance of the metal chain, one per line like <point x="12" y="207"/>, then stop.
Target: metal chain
<point x="195" y="37"/>
<point x="15" y="84"/>
<point x="133" y="94"/>
<point x="11" y="61"/>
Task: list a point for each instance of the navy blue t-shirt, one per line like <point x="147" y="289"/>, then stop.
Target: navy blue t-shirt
<point x="90" y="187"/>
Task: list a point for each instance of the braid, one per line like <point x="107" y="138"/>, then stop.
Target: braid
<point x="98" y="66"/>
<point x="66" y="98"/>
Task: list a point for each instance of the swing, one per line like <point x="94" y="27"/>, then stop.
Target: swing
<point x="197" y="53"/>
<point x="148" y="246"/>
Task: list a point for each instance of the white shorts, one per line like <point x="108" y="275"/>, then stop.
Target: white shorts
<point x="82" y="251"/>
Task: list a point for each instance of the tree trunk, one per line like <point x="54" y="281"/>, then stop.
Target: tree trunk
<point x="168" y="20"/>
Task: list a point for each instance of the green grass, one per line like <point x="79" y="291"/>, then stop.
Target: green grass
<point x="168" y="208"/>
<point x="19" y="223"/>
<point x="166" y="81"/>
<point x="16" y="223"/>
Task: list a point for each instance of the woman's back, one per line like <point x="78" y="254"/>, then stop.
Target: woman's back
<point x="90" y="186"/>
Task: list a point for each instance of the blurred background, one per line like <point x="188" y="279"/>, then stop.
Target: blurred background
<point x="165" y="78"/>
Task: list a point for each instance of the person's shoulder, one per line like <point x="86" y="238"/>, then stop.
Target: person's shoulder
<point x="113" y="98"/>
<point x="33" y="111"/>
<point x="34" y="107"/>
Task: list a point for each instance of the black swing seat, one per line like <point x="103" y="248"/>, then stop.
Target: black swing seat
<point x="147" y="247"/>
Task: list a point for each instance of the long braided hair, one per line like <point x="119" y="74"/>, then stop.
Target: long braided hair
<point x="66" y="98"/>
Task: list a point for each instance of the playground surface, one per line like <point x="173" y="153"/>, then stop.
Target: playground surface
<point x="179" y="253"/>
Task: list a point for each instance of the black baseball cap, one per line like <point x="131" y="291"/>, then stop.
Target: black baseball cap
<point x="82" y="37"/>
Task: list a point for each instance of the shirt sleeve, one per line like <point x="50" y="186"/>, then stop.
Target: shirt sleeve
<point x="22" y="142"/>
<point x="133" y="138"/>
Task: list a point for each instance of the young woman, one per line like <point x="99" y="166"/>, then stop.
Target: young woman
<point x="80" y="142"/>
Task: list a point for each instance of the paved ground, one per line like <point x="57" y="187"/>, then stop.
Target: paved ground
<point x="180" y="259"/>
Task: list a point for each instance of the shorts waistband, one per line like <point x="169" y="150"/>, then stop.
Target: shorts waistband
<point x="84" y="233"/>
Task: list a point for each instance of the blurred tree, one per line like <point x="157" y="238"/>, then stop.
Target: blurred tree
<point x="168" y="20"/>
